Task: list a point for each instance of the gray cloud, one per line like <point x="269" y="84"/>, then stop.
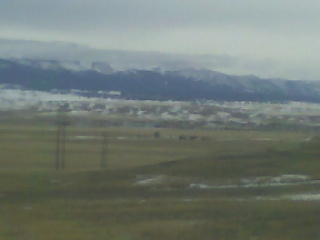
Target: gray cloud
<point x="159" y="14"/>
<point x="246" y="32"/>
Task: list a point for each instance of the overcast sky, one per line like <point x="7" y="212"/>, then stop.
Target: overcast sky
<point x="268" y="38"/>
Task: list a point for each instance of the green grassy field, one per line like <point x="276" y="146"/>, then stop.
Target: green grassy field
<point x="145" y="191"/>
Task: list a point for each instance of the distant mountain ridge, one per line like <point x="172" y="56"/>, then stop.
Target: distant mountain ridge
<point x="157" y="84"/>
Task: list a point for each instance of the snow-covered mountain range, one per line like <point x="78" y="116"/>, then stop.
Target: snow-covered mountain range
<point x="157" y="84"/>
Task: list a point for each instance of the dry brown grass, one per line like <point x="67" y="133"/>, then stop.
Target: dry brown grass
<point x="85" y="202"/>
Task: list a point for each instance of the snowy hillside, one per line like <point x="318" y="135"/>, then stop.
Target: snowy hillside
<point x="180" y="85"/>
<point x="199" y="114"/>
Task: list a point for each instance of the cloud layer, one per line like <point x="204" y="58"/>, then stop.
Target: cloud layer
<point x="280" y="34"/>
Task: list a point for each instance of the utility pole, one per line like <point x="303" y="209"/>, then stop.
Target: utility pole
<point x="58" y="142"/>
<point x="61" y="136"/>
<point x="104" y="150"/>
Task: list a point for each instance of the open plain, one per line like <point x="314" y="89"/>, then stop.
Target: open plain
<point x="157" y="183"/>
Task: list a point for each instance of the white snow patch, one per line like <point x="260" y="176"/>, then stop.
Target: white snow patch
<point x="292" y="197"/>
<point x="304" y="197"/>
<point x="86" y="137"/>
<point x="206" y="186"/>
<point x="306" y="139"/>
<point x="286" y="178"/>
<point x="151" y="180"/>
<point x="265" y="139"/>
<point x="194" y="117"/>
<point x="258" y="182"/>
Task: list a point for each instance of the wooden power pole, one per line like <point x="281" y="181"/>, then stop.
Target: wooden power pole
<point x="61" y="136"/>
<point x="104" y="150"/>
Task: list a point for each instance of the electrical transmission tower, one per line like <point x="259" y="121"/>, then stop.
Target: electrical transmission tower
<point x="62" y="123"/>
<point x="104" y="150"/>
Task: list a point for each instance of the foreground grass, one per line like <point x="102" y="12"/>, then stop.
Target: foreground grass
<point x="106" y="205"/>
<point x="154" y="219"/>
<point x="85" y="202"/>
